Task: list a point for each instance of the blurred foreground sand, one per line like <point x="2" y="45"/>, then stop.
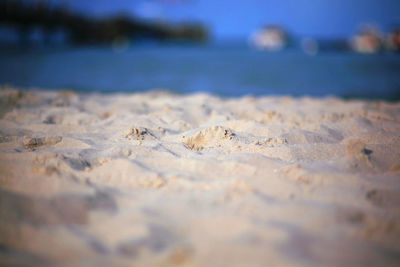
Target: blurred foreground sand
<point x="158" y="179"/>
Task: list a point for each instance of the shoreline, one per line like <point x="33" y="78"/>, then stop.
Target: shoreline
<point x="392" y="99"/>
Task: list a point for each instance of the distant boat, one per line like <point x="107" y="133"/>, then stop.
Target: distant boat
<point x="367" y="41"/>
<point x="393" y="40"/>
<point x="271" y="38"/>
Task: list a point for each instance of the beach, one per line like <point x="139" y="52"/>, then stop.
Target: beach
<point x="165" y="179"/>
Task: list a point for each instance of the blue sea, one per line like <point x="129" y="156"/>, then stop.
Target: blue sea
<point x="225" y="70"/>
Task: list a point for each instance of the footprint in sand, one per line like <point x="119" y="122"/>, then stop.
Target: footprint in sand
<point x="208" y="137"/>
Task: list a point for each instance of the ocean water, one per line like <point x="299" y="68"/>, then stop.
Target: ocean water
<point x="225" y="70"/>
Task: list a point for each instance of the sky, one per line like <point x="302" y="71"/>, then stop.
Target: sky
<point x="238" y="18"/>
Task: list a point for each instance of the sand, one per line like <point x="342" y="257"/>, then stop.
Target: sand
<point x="158" y="179"/>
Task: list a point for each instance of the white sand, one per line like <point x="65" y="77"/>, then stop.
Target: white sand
<point x="158" y="179"/>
